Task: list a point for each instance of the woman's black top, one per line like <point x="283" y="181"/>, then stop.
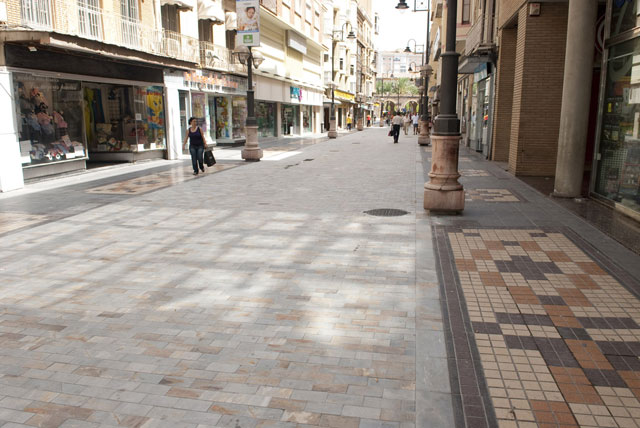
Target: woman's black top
<point x="195" y="138"/>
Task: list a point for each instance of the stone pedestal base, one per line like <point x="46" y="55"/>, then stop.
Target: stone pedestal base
<point x="443" y="192"/>
<point x="423" y="138"/>
<point x="360" y="126"/>
<point x="251" y="151"/>
<point x="332" y="129"/>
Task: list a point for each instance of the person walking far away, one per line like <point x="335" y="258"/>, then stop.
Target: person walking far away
<point x="368" y="120"/>
<point x="197" y="144"/>
<point x="406" y="121"/>
<point x="415" y="119"/>
<point x="349" y="122"/>
<point x="396" y="122"/>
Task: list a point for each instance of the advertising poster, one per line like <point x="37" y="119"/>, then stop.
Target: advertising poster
<point x="248" y="12"/>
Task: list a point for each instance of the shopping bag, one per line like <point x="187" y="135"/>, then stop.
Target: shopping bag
<point x="390" y="134"/>
<point x="209" y="159"/>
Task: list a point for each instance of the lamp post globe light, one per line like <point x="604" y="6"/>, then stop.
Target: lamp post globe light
<point x="251" y="150"/>
<point x="425" y="73"/>
<point x="333" y="133"/>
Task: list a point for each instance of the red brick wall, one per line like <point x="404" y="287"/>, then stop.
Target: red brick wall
<point x="537" y="92"/>
<point x="504" y="95"/>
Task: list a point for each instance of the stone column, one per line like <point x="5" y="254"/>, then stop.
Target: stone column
<point x="576" y="98"/>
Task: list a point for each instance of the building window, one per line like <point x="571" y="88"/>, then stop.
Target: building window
<point x="341" y="63"/>
<point x="352" y="70"/>
<point x="466" y="11"/>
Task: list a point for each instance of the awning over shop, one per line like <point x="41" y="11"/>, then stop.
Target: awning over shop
<point x="326" y="100"/>
<point x="469" y="64"/>
<point x="182" y="4"/>
<point x="211" y="10"/>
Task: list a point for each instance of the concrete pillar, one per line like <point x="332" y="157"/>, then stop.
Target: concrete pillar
<point x="11" y="177"/>
<point x="576" y="97"/>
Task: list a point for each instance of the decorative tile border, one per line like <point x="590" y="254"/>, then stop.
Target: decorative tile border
<point x="542" y="330"/>
<point x="475" y="173"/>
<point x="10" y="221"/>
<point x="491" y="195"/>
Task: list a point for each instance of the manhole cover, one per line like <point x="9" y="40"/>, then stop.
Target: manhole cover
<point x="386" y="212"/>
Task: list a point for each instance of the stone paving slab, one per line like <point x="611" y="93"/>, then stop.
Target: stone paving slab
<point x="258" y="296"/>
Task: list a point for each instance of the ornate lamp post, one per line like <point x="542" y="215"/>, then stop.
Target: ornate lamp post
<point x="422" y="6"/>
<point x="333" y="133"/>
<point x="251" y="150"/>
<point x="443" y="192"/>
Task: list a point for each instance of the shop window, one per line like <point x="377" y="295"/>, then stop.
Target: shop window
<point x="124" y="118"/>
<point x="49" y="114"/>
<point x="223" y="123"/>
<point x="239" y="116"/>
<point x="619" y="152"/>
<point x="266" y="118"/>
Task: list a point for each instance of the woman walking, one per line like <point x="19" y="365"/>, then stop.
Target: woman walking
<point x="197" y="144"/>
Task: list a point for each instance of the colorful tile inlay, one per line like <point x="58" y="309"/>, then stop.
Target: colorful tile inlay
<point x="551" y="339"/>
<point x="490" y="195"/>
<point x="10" y="221"/>
<point x="152" y="182"/>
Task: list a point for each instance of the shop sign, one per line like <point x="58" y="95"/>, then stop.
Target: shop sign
<point x="480" y="73"/>
<point x="248" y="12"/>
<point x="297" y="42"/>
<point x="344" y="95"/>
<point x="295" y="93"/>
<point x="215" y="82"/>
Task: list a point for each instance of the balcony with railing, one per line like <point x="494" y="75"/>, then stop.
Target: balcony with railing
<point x="89" y="22"/>
<point x="480" y="34"/>
<point x="215" y="57"/>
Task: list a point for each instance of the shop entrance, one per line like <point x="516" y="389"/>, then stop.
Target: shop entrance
<point x="290" y="120"/>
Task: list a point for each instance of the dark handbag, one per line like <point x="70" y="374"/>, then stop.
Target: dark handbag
<point x="390" y="134"/>
<point x="209" y="159"/>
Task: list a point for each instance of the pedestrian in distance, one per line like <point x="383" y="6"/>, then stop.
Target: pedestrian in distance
<point x="414" y="119"/>
<point x="197" y="145"/>
<point x="349" y="123"/>
<point x="406" y="121"/>
<point x="396" y="122"/>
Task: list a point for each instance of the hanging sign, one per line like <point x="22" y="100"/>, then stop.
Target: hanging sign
<point x="248" y="12"/>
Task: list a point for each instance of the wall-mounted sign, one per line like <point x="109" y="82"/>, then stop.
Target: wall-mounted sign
<point x="295" y="93"/>
<point x="248" y="12"/>
<point x="344" y="95"/>
<point x="534" y="9"/>
<point x="215" y="82"/>
<point x="296" y="42"/>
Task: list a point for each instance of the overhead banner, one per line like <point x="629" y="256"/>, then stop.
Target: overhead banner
<point x="248" y="12"/>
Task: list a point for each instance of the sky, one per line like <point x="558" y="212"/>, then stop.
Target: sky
<point x="396" y="27"/>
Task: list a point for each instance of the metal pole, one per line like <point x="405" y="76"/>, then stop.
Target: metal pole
<point x="251" y="115"/>
<point x="447" y="122"/>
<point x="333" y="88"/>
<point x="425" y="99"/>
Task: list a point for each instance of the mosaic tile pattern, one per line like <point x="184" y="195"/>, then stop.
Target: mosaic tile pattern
<point x="551" y="338"/>
<point x="10" y="221"/>
<point x="490" y="195"/>
<point x="474" y="173"/>
<point x="153" y="182"/>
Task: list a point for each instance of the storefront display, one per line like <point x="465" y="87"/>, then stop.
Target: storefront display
<point x="290" y="119"/>
<point x="123" y="118"/>
<point x="223" y="116"/>
<point x="266" y="118"/>
<point x="307" y="119"/>
<point x="199" y="107"/>
<point x="49" y="114"/>
<point x="239" y="115"/>
<point x="618" y="176"/>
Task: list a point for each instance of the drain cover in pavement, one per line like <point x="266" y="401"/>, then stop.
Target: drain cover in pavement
<point x="386" y="212"/>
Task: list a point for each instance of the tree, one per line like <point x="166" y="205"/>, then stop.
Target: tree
<point x="387" y="88"/>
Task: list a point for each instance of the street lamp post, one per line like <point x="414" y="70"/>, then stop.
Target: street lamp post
<point x="382" y="98"/>
<point x="251" y="150"/>
<point x="423" y="138"/>
<point x="443" y="192"/>
<point x="333" y="133"/>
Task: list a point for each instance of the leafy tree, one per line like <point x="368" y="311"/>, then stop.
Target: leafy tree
<point x="404" y="85"/>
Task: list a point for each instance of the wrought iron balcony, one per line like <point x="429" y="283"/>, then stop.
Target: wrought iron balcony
<point x="480" y="34"/>
<point x="214" y="57"/>
<point x="94" y="23"/>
